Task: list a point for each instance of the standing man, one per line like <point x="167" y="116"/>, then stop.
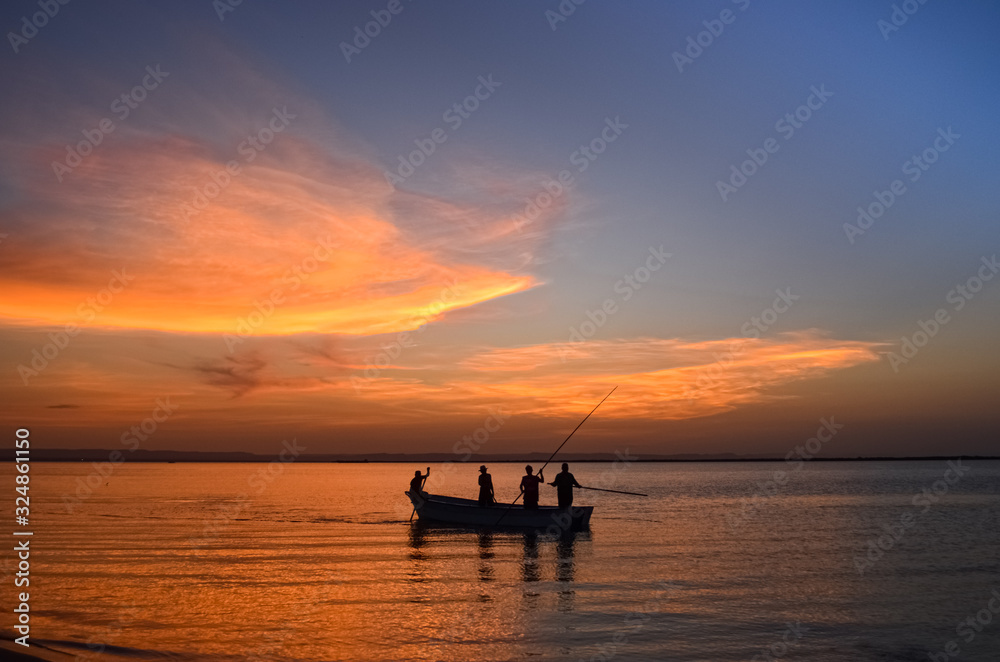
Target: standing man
<point x="529" y="487"/>
<point x="417" y="482"/>
<point x="485" y="488"/>
<point x="564" y="483"/>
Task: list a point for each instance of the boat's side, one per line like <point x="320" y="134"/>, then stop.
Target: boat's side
<point x="453" y="510"/>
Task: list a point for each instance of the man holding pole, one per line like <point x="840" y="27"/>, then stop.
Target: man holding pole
<point x="417" y="489"/>
<point x="529" y="487"/>
<point x="564" y="483"/>
<point x="528" y="481"/>
<point x="417" y="482"/>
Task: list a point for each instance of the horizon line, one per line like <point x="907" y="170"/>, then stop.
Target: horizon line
<point x="117" y="456"/>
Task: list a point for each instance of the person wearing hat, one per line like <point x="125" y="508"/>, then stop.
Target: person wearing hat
<point x="485" y="487"/>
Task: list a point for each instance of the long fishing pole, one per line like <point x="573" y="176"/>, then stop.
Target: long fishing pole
<point x="518" y="497"/>
<point x="575" y="429"/>
<point x="600" y="489"/>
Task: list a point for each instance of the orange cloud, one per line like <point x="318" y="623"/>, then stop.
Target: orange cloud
<point x="659" y="379"/>
<point x="302" y="225"/>
<point x="310" y="244"/>
<point x="310" y="386"/>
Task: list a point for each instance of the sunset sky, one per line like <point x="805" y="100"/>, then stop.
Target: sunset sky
<point x="288" y="228"/>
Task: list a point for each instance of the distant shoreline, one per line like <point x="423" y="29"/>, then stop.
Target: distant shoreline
<point x="165" y="456"/>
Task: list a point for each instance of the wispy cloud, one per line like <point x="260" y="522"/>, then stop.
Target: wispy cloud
<point x="307" y="221"/>
<point x="660" y="379"/>
<point x="239" y="375"/>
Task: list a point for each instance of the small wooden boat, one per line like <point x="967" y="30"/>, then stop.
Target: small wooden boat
<point x="468" y="512"/>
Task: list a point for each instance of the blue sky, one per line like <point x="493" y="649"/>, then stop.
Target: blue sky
<point x="680" y="133"/>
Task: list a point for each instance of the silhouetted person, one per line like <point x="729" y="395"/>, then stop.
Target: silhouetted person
<point x="417" y="482"/>
<point x="564" y="483"/>
<point x="529" y="487"/>
<point x="485" y="487"/>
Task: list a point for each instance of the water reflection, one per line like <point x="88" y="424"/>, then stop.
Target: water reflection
<point x="486" y="554"/>
<point x="565" y="564"/>
<point x="529" y="563"/>
<point x="419" y="593"/>
<point x="492" y="556"/>
<point x="418" y="538"/>
<point x="566" y="569"/>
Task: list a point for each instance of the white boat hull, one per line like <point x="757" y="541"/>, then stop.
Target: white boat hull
<point x="468" y="512"/>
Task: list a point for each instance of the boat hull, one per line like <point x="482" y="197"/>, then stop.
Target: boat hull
<point x="468" y="512"/>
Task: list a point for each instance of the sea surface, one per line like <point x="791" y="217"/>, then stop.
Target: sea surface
<point x="833" y="561"/>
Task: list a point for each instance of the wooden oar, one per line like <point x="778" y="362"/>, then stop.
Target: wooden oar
<point x="600" y="489"/>
<point x="518" y="497"/>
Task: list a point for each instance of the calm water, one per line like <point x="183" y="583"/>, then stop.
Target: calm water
<point x="167" y="561"/>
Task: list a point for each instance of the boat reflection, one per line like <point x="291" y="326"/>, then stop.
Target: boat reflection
<point x="565" y="564"/>
<point x="566" y="569"/>
<point x="529" y="563"/>
<point x="418" y="539"/>
<point x="486" y="555"/>
<point x="492" y="555"/>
